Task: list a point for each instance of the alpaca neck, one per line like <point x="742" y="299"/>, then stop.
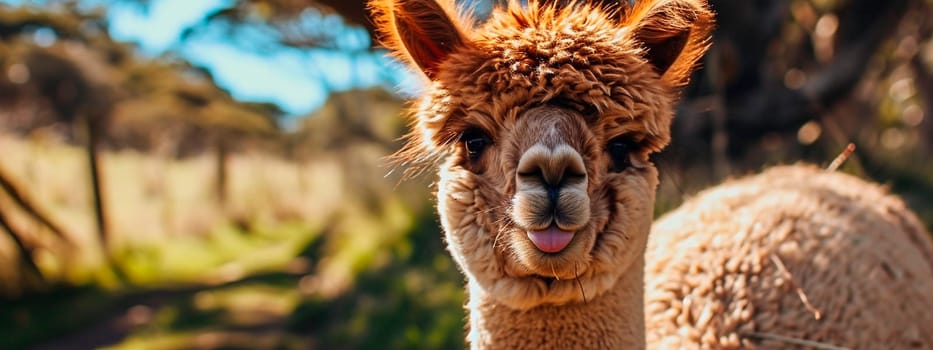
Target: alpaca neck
<point x="613" y="320"/>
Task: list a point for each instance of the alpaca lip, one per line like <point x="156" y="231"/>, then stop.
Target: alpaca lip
<point x="551" y="240"/>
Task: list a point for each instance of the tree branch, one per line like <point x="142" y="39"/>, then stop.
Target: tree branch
<point x="27" y="205"/>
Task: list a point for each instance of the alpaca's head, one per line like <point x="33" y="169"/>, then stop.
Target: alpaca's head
<point x="546" y="115"/>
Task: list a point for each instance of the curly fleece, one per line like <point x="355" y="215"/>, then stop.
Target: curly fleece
<point x="723" y="270"/>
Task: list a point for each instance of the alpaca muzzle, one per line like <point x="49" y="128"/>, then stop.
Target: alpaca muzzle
<point x="551" y="200"/>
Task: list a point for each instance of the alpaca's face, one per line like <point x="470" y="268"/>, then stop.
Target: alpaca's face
<point x="548" y="191"/>
<point x="546" y="119"/>
<point x="555" y="206"/>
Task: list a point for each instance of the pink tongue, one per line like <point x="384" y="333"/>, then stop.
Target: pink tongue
<point x="551" y="240"/>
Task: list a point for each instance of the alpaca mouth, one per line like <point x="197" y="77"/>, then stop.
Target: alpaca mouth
<point x="551" y="240"/>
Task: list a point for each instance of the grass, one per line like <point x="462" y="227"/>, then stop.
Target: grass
<point x="227" y="253"/>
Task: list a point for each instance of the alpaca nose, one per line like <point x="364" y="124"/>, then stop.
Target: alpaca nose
<point x="551" y="169"/>
<point x="551" y="199"/>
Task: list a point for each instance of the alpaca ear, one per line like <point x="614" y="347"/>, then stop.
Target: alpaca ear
<point x="420" y="32"/>
<point x="675" y="34"/>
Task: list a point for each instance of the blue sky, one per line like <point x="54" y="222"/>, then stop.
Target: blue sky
<point x="297" y="80"/>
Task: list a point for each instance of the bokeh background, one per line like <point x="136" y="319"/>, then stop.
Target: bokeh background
<point x="180" y="174"/>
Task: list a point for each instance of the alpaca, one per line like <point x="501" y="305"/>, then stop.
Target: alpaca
<point x="796" y="255"/>
<point x="545" y="116"/>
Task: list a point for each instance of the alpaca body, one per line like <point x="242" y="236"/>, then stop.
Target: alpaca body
<point x="717" y="267"/>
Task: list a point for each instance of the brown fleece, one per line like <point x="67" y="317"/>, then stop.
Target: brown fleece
<point x="859" y="257"/>
<point x="551" y="86"/>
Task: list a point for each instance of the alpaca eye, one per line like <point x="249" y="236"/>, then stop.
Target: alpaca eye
<point x="475" y="142"/>
<point x="619" y="150"/>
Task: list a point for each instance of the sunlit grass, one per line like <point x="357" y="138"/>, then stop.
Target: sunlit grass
<point x="225" y="254"/>
<point x="249" y="305"/>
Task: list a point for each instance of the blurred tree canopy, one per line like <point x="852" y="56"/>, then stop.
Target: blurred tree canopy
<point x="62" y="63"/>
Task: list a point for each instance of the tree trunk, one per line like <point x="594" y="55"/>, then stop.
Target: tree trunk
<point x="221" y="172"/>
<point x="97" y="186"/>
<point x="27" y="205"/>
